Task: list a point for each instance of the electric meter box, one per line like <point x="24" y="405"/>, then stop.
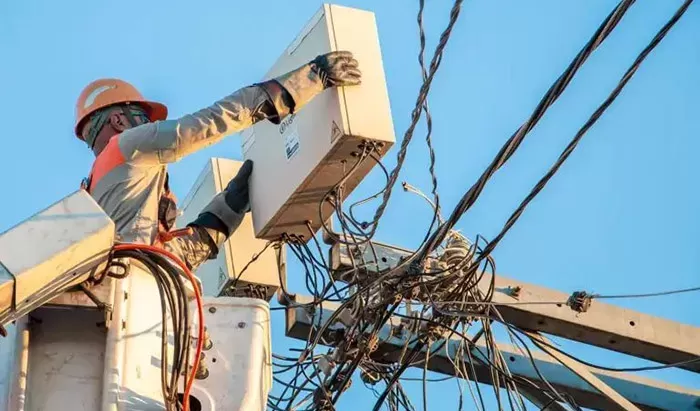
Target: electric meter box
<point x="219" y="276"/>
<point x="297" y="162"/>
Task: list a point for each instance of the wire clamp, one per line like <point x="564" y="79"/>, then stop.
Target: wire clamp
<point x="580" y="301"/>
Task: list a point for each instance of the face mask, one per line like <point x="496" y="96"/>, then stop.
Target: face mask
<point x="97" y="121"/>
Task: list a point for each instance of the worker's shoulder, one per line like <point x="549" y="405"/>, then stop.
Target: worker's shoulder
<point x="142" y="131"/>
<point x="145" y="142"/>
<point x="139" y="138"/>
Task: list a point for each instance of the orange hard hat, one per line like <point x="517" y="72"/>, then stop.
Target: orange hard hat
<point x="106" y="92"/>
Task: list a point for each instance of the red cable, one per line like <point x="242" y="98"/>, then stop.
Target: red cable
<point x="200" y="309"/>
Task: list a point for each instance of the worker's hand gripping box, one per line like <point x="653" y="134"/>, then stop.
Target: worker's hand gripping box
<point x="297" y="162"/>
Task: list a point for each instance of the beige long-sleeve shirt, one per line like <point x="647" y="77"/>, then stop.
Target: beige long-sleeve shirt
<point x="130" y="192"/>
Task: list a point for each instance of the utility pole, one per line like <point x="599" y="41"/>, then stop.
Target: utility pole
<point x="551" y="312"/>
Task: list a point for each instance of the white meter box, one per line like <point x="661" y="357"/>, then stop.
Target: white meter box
<point x="218" y="275"/>
<point x="297" y="162"/>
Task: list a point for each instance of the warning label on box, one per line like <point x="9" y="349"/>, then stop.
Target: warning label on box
<point x="335" y="132"/>
<point x="291" y="144"/>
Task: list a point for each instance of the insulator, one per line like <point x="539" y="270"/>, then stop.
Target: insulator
<point x="456" y="251"/>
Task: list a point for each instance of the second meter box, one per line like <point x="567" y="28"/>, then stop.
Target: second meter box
<point x="223" y="275"/>
<point x="298" y="161"/>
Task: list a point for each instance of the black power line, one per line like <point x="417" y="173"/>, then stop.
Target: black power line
<point x="582" y="131"/>
<point x="517" y="138"/>
<point x="419" y="107"/>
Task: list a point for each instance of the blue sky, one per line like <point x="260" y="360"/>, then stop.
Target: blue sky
<point x="621" y="216"/>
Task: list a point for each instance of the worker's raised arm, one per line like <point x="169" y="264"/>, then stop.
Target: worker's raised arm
<point x="170" y="140"/>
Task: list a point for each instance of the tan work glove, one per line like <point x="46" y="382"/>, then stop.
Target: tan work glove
<point x="334" y="69"/>
<point x="337" y="69"/>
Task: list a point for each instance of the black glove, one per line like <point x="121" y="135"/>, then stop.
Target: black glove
<point x="237" y="189"/>
<point x="337" y="69"/>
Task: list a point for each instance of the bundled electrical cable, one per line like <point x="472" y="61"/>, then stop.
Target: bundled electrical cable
<point x="173" y="301"/>
<point x="167" y="271"/>
<point x="512" y="144"/>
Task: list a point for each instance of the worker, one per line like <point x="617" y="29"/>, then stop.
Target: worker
<point x="133" y="142"/>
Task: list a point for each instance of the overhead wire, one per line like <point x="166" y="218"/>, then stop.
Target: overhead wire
<point x="512" y="144"/>
<point x="453" y="283"/>
<point x="645" y="295"/>
<point x="419" y="106"/>
<point x="485" y="357"/>
<point x="587" y="125"/>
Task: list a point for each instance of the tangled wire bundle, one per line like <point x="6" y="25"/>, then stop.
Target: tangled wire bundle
<point x="392" y="313"/>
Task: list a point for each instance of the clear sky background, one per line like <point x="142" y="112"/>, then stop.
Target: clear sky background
<point x="620" y="217"/>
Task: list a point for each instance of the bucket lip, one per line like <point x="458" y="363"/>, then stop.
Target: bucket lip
<point x="235" y="302"/>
